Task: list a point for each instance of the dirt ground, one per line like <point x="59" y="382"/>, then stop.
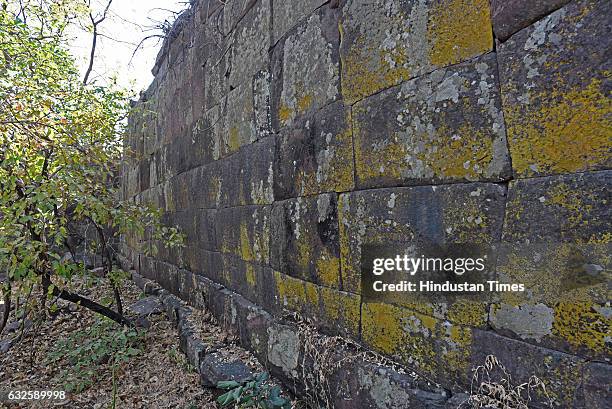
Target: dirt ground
<point x="157" y="376"/>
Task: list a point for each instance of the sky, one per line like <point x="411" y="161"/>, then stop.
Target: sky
<point x="126" y="25"/>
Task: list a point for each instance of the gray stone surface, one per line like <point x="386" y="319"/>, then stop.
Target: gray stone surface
<point x="555" y="91"/>
<point x="304" y="239"/>
<point x="147" y="306"/>
<point x="216" y="368"/>
<point x="445" y="126"/>
<point x="315" y="155"/>
<point x="510" y="16"/>
<point x="306" y="68"/>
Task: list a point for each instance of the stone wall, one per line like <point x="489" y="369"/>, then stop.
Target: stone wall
<point x="282" y="136"/>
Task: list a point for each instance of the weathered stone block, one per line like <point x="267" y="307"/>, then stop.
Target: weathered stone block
<point x="383" y="45"/>
<point x="239" y="185"/>
<point x="216" y="67"/>
<point x="330" y="310"/>
<point x="238" y="116"/>
<point x="596" y="386"/>
<point x="249" y="44"/>
<point x="436" y="348"/>
<point x="514" y="15"/>
<point x="252" y="324"/>
<point x="244" y="231"/>
<point x="304" y="241"/>
<point x="443" y="127"/>
<point x="459" y="213"/>
<point x="216" y="368"/>
<point x="363" y="385"/>
<point x="555" y="92"/>
<point x="306" y="68"/>
<point x="261" y="103"/>
<point x="569" y="208"/>
<point x="557" y="243"/>
<point x="315" y="155"/>
<point x="199" y="144"/>
<point x="287" y="14"/>
<point x="561" y="373"/>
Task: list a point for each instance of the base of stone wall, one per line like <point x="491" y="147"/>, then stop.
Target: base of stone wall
<point x="327" y="372"/>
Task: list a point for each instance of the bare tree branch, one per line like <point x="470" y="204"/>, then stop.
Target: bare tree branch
<point x="95" y="22"/>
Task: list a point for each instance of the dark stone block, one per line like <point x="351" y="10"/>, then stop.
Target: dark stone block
<point x="306" y="68"/>
<point x="568" y="208"/>
<point x="510" y="16"/>
<point x="422" y="215"/>
<point x="446" y="126"/>
<point x="146" y="306"/>
<point x="216" y="368"/>
<point x="305" y="240"/>
<point x="315" y="155"/>
<point x="359" y="384"/>
<point x="596" y="386"/>
<point x="561" y="373"/>
<point x="555" y="91"/>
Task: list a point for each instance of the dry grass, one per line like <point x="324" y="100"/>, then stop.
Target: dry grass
<point x="489" y="391"/>
<point x="158" y="377"/>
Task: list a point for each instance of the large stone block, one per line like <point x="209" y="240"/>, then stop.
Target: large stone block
<point x="216" y="66"/>
<point x="305" y="68"/>
<point x="304" y="241"/>
<point x="557" y="243"/>
<point x="249" y="43"/>
<point x="332" y="311"/>
<point x="596" y="386"/>
<point x="443" y="127"/>
<point x="239" y="185"/>
<point x="238" y="121"/>
<point x="365" y="385"/>
<point x="561" y="373"/>
<point x="556" y="91"/>
<point x="383" y="45"/>
<point x="315" y="155"/>
<point x="511" y="16"/>
<point x="288" y="13"/>
<point x="245" y="278"/>
<point x="435" y="348"/>
<point x="459" y="213"/>
<point x="244" y="231"/>
<point x="199" y="144"/>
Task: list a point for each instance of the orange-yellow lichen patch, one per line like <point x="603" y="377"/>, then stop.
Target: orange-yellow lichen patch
<point x="569" y="131"/>
<point x="459" y="30"/>
<point x="581" y="325"/>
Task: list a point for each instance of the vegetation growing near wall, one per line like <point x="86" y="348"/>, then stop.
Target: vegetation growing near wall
<point x="60" y="152"/>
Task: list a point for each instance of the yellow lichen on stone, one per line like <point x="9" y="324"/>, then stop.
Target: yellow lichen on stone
<point x="246" y="252"/>
<point x="573" y="202"/>
<point x="463" y="153"/>
<point x="234" y="139"/>
<point x="338" y="306"/>
<point x="569" y="131"/>
<point x="467" y="312"/>
<point x="284" y="113"/>
<point x="458" y="30"/>
<point x="381" y="327"/>
<point x="386" y="161"/>
<point x="250" y="275"/>
<point x="361" y="80"/>
<point x="291" y="291"/>
<point x="581" y="325"/>
<point x="304" y="102"/>
<point x="334" y="168"/>
<point x="328" y="269"/>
